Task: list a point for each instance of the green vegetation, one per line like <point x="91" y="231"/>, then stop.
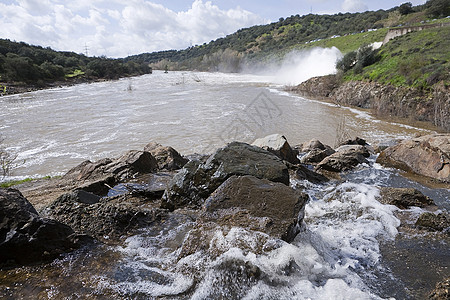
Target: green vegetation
<point x="349" y="42"/>
<point x="418" y="59"/>
<point x="23" y="63"/>
<point x="11" y="183"/>
<point x="14" y="182"/>
<point x="258" y="45"/>
<point x="255" y="44"/>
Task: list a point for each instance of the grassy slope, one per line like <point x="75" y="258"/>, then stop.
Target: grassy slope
<point x="417" y="59"/>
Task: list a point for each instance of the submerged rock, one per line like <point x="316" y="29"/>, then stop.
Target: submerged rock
<point x="196" y="181"/>
<point x="427" y="155"/>
<point x="25" y="237"/>
<point x="167" y="157"/>
<point x="256" y="204"/>
<point x="278" y="145"/>
<point x="434" y="222"/>
<point x="404" y="197"/>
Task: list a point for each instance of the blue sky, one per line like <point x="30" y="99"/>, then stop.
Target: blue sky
<point x="118" y="28"/>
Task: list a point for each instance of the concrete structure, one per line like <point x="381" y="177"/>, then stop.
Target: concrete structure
<point x="398" y="31"/>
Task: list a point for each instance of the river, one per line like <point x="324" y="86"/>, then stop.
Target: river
<point x="336" y="256"/>
<point x="54" y="130"/>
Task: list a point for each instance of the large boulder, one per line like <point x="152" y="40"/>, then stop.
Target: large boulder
<point x="427" y="155"/>
<point x="106" y="219"/>
<point x="25" y="237"/>
<point x="256" y="204"/>
<point x="167" y="157"/>
<point x="404" y="197"/>
<point x="346" y="158"/>
<point x="96" y="176"/>
<point x="197" y="180"/>
<point x="315" y="152"/>
<point x="278" y="145"/>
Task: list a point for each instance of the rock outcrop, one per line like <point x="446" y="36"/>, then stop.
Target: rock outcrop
<point x="404" y="197"/>
<point x="278" y="145"/>
<point x="167" y="157"/>
<point x="27" y="238"/>
<point x="427" y="155"/>
<point x="196" y="181"/>
<point x="383" y="100"/>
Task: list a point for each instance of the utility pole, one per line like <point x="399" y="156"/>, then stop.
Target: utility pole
<point x="86" y="49"/>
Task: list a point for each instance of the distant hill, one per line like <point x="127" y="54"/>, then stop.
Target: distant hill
<point x="23" y="64"/>
<point x="258" y="45"/>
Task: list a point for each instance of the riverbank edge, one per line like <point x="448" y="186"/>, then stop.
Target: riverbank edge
<point x="412" y="106"/>
<point x="15" y="88"/>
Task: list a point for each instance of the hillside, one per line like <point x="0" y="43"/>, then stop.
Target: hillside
<point x="24" y="67"/>
<point x="259" y="45"/>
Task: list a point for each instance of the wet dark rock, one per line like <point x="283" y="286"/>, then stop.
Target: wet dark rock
<point x="316" y="155"/>
<point x="25" y="237"/>
<point x="278" y="145"/>
<point x="354" y="149"/>
<point x="355" y="141"/>
<point x="346" y="158"/>
<point x="97" y="177"/>
<point x="312" y="145"/>
<point x="167" y="157"/>
<point x="303" y="173"/>
<point x="442" y="290"/>
<point x="151" y="186"/>
<point x="197" y="180"/>
<point x="108" y="219"/>
<point x="427" y="155"/>
<point x="404" y="197"/>
<point x="256" y="204"/>
<point x="315" y="152"/>
<point x="434" y="222"/>
<point x="131" y="163"/>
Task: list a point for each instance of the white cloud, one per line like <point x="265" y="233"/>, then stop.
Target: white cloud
<point x="354" y="6"/>
<point x="118" y="29"/>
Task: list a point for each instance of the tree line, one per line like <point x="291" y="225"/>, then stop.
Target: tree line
<point x="21" y="62"/>
<point x="256" y="43"/>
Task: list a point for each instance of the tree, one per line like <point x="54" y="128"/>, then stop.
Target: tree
<point x="405" y="8"/>
<point x="7" y="160"/>
<point x="438" y="8"/>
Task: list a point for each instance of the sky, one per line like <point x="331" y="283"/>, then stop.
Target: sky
<point x="118" y="28"/>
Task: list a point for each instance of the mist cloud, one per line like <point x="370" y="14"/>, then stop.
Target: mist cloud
<point x="299" y="66"/>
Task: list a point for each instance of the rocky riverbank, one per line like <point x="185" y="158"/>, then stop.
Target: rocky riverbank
<point x="386" y="101"/>
<point x="240" y="185"/>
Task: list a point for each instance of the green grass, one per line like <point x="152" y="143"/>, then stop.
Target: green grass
<point x="417" y="59"/>
<point x="349" y="43"/>
<point x="11" y="183"/>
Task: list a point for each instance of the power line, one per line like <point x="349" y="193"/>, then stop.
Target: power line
<point x="86" y="49"/>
